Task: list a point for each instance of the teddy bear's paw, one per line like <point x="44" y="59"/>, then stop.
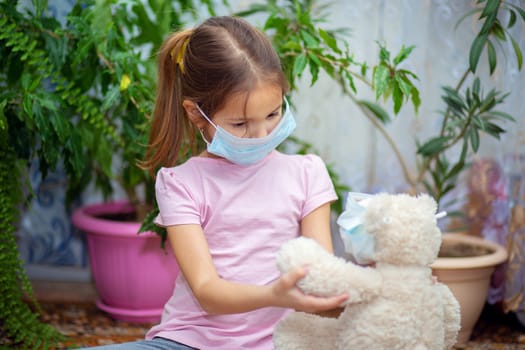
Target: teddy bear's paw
<point x="299" y="252"/>
<point x="420" y="347"/>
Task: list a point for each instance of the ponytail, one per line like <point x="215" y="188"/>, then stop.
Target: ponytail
<point x="171" y="131"/>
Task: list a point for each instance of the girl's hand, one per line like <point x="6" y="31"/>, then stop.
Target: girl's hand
<point x="287" y="294"/>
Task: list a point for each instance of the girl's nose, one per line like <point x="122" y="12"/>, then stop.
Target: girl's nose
<point x="259" y="132"/>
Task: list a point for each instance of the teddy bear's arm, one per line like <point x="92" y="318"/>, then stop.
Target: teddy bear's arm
<point x="328" y="275"/>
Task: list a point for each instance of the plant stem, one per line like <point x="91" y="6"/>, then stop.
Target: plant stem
<point x="388" y="139"/>
<point x="426" y="163"/>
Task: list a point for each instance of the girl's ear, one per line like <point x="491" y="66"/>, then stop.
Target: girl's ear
<point x="193" y="114"/>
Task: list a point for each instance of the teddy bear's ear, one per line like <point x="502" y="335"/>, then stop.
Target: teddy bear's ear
<point x="428" y="202"/>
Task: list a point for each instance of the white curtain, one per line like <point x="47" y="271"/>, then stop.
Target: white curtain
<point x="346" y="139"/>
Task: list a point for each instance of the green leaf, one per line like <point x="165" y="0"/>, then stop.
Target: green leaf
<point x="384" y="54"/>
<point x="60" y="126"/>
<point x="476" y="86"/>
<point x="517" y="51"/>
<point x="512" y="19"/>
<point x="403" y="54"/>
<point x="498" y="31"/>
<point x="397" y="96"/>
<point x="407" y="73"/>
<point x="491" y="56"/>
<point x="309" y="40"/>
<point x="314" y="68"/>
<point x="447" y="189"/>
<point x="474" y="139"/>
<point x="40" y="7"/>
<point x="469" y="13"/>
<point x="464" y="151"/>
<point x="329" y="68"/>
<point x="314" y="59"/>
<point x="377" y="110"/>
<point x="475" y="51"/>
<point x="3" y="119"/>
<point x="493" y="129"/>
<point x="381" y="79"/>
<point x="76" y="158"/>
<point x="490" y="8"/>
<point x="404" y="84"/>
<point x="28" y="104"/>
<point x="489" y="23"/>
<point x="292" y="46"/>
<point x="453" y="99"/>
<point x="364" y="68"/>
<point x="416" y="100"/>
<point x="299" y="65"/>
<point x="350" y="81"/>
<point x="489" y="102"/>
<point x="111" y="98"/>
<point x="478" y="122"/>
<point x="104" y="156"/>
<point x="519" y="9"/>
<point x="276" y="23"/>
<point x="433" y="146"/>
<point x="329" y="40"/>
<point x="25" y="80"/>
<point x="502" y="115"/>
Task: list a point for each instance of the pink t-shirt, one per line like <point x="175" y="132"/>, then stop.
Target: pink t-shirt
<point x="247" y="213"/>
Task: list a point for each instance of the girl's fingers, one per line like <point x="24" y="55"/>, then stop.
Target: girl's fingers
<point x="304" y="302"/>
<point x="292" y="277"/>
<point x="314" y="304"/>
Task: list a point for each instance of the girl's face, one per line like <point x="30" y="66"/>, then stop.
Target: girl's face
<point x="251" y="116"/>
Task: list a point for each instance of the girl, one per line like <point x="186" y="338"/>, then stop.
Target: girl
<point x="229" y="209"/>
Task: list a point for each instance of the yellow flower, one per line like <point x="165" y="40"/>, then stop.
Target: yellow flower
<point x="124" y="82"/>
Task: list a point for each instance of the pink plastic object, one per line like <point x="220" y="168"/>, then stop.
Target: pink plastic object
<point x="133" y="275"/>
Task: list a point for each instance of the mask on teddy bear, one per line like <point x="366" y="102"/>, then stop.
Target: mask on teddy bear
<point x="357" y="241"/>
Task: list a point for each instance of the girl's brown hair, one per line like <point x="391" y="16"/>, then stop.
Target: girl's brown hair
<point x="219" y="58"/>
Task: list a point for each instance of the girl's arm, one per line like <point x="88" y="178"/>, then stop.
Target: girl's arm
<point x="316" y="225"/>
<point x="218" y="296"/>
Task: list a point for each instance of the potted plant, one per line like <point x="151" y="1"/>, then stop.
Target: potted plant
<point x="468" y="112"/>
<point x="77" y="94"/>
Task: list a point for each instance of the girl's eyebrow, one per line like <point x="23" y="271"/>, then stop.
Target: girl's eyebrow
<point x="236" y="118"/>
<point x="277" y="108"/>
<point x="240" y="118"/>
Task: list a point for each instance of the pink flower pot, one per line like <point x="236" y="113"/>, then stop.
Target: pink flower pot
<point x="133" y="275"/>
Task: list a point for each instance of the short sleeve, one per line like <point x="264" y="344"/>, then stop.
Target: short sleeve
<point x="177" y="205"/>
<point x="319" y="187"/>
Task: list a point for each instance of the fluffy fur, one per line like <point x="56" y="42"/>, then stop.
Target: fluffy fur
<point x="395" y="305"/>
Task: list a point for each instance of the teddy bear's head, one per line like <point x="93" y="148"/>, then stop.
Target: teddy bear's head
<point x="404" y="228"/>
<point x="397" y="229"/>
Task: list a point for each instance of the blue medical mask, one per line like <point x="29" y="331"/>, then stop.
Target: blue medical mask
<point x="357" y="241"/>
<point x="246" y="151"/>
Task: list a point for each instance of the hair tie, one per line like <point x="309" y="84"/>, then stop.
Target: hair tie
<point x="179" y="57"/>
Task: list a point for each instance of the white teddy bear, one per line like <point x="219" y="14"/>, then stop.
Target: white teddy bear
<point x="394" y="304"/>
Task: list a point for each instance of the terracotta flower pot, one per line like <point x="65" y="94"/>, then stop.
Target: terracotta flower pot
<point x="133" y="275"/>
<point x="469" y="277"/>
